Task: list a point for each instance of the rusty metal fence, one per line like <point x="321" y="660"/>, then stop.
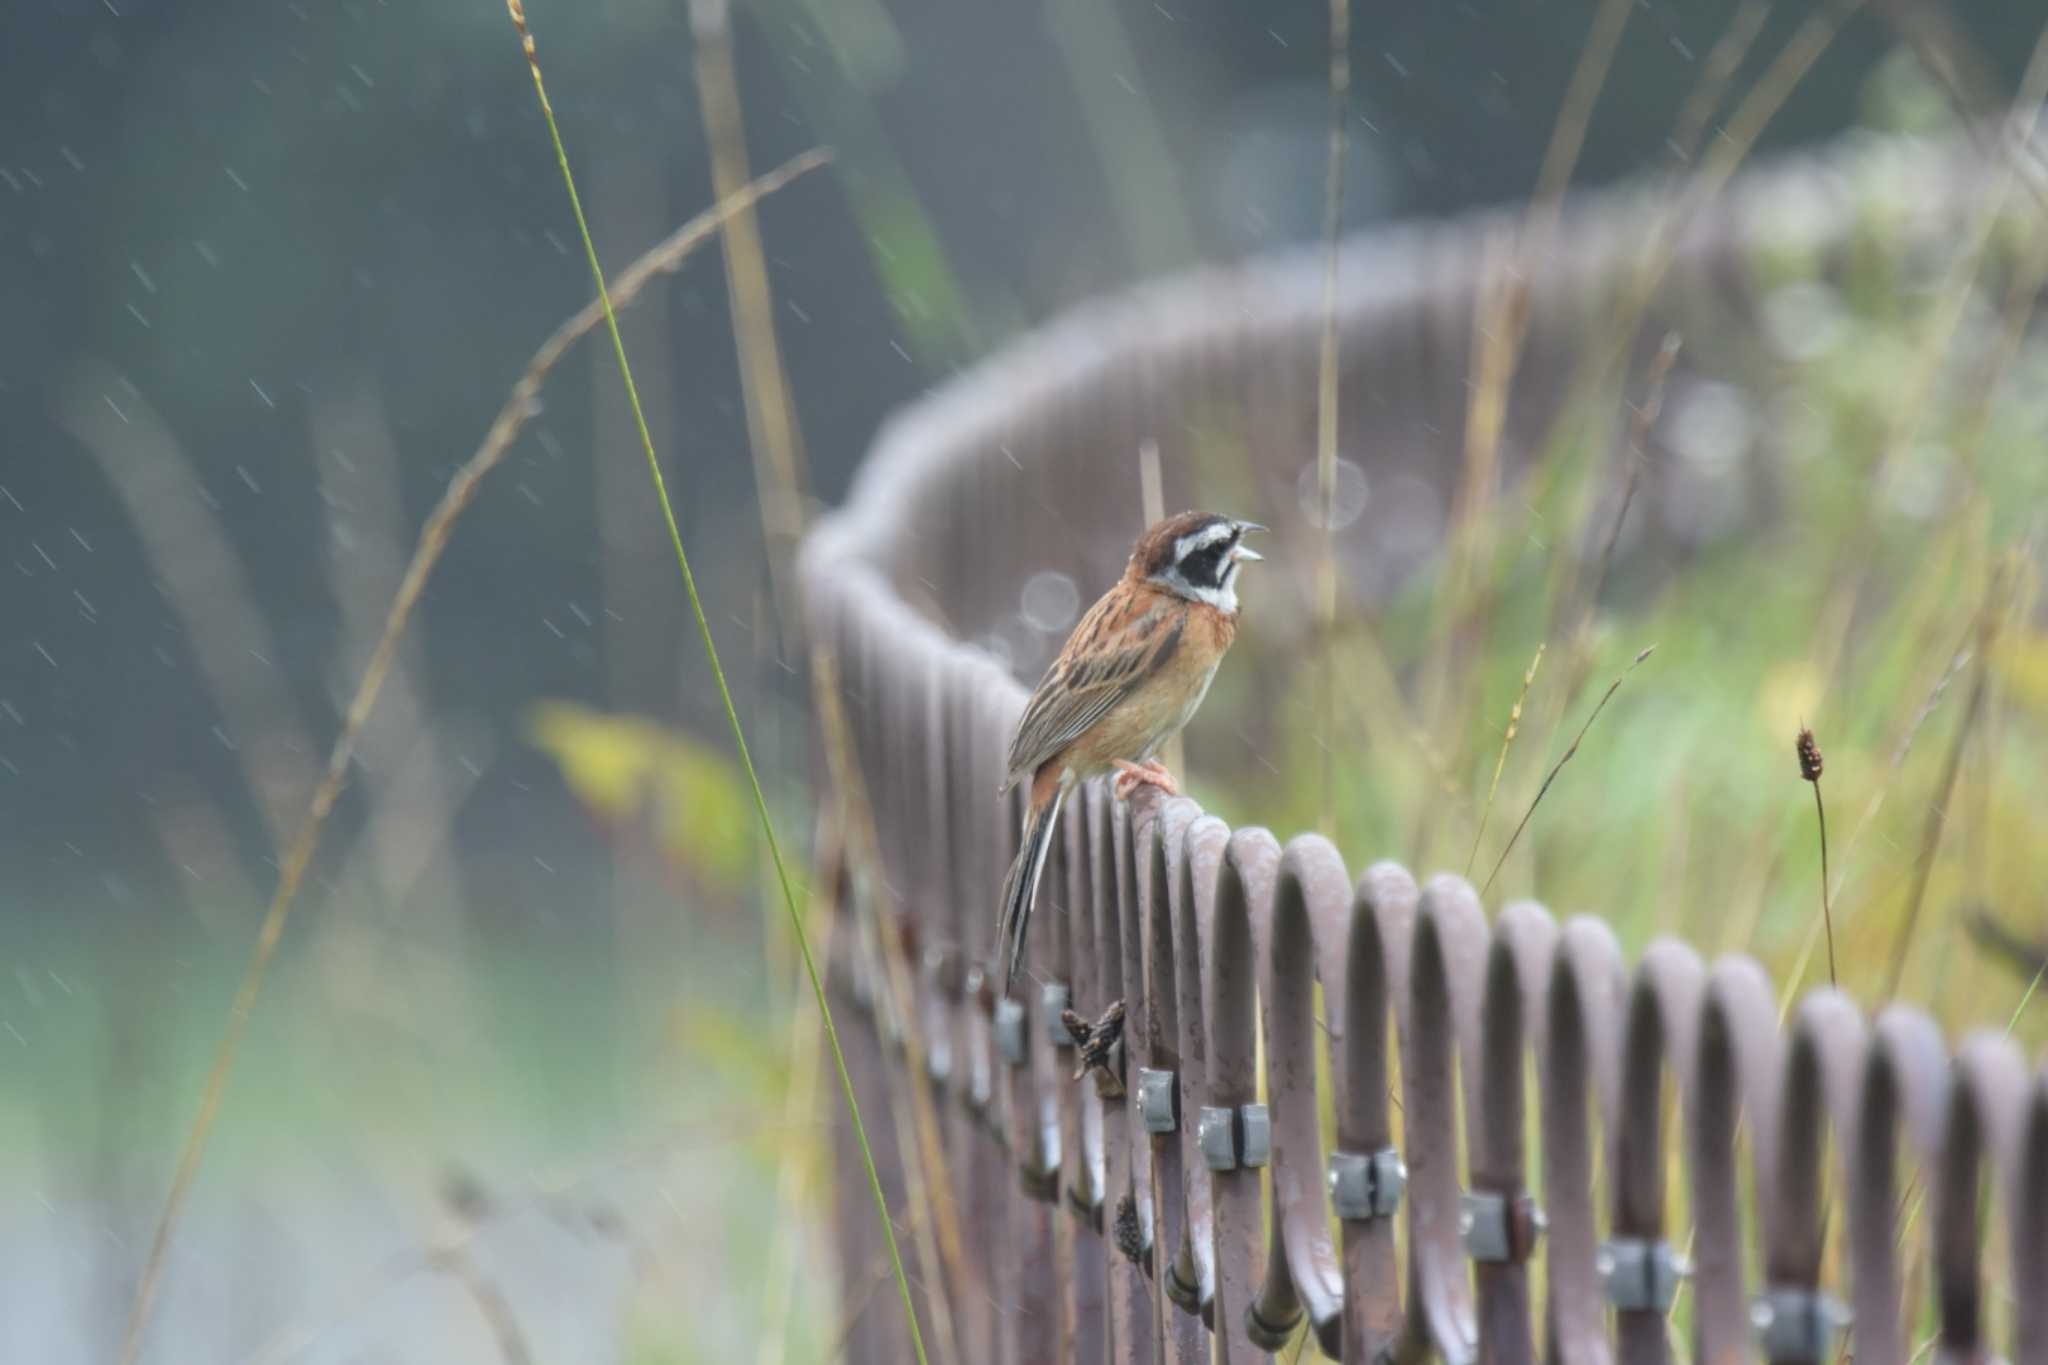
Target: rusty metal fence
<point x="1517" y="1109"/>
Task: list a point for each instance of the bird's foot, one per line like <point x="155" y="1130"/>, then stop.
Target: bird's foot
<point x="1151" y="773"/>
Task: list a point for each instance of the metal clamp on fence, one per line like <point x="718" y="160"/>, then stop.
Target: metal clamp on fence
<point x="1364" y="1186"/>
<point x="1085" y="1202"/>
<point x="1039" y="1173"/>
<point x="1496" y="1228"/>
<point x="1009" y="1027"/>
<point x="1230" y="1138"/>
<point x="1797" y="1324"/>
<point x="1181" y="1285"/>
<point x="980" y="1089"/>
<point x="1051" y="1001"/>
<point x="1158" y="1100"/>
<point x="938" y="1060"/>
<point x="1268" y="1336"/>
<point x="1640" y="1275"/>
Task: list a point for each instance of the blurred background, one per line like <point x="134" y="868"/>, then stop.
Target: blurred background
<point x="516" y="1088"/>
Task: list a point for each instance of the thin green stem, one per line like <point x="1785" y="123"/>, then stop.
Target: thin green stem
<point x="732" y="718"/>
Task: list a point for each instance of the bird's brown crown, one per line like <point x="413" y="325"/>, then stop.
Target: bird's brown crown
<point x="1159" y="548"/>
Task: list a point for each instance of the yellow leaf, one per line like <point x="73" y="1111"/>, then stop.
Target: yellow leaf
<point x="617" y="765"/>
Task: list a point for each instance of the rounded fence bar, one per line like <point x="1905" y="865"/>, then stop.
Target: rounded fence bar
<point x="1735" y="1078"/>
<point x="1233" y="1133"/>
<point x="1308" y="919"/>
<point x="1206" y="846"/>
<point x="1820" y="1071"/>
<point x="1979" y="1147"/>
<point x="1511" y="1027"/>
<point x="1164" y="1074"/>
<point x="1083" y="1258"/>
<point x="1658" y="1033"/>
<point x="1898" y="1083"/>
<point x="1441" y="1041"/>
<point x="1133" y="1304"/>
<point x="1368" y="1176"/>
<point x="1580" y="1044"/>
<point x="2029" y="1227"/>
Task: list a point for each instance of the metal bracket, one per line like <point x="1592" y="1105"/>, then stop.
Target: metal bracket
<point x="1640" y="1275"/>
<point x="1180" y="1288"/>
<point x="1230" y="1138"/>
<point x="1365" y="1186"/>
<point x="1039" y="1172"/>
<point x="1268" y="1336"/>
<point x="1009" y="1027"/>
<point x="1051" y="1000"/>
<point x="1797" y="1324"/>
<point x="1496" y="1228"/>
<point x="1158" y="1100"/>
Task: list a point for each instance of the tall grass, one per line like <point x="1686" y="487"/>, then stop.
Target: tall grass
<point x="675" y="536"/>
<point x="519" y="407"/>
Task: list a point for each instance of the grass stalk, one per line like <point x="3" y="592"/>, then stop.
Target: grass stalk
<point x="1507" y="742"/>
<point x="519" y="408"/>
<point x="1810" y="765"/>
<point x="1642" y="421"/>
<point x="517" y="11"/>
<point x="1558" y="767"/>
<point x="1499" y="326"/>
<point x="1937" y="818"/>
<point x="1326" y="411"/>
<point x="772" y="433"/>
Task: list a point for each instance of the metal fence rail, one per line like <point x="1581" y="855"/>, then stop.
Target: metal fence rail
<point x="1476" y="1063"/>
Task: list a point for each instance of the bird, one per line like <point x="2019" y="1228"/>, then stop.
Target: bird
<point x="1129" y="677"/>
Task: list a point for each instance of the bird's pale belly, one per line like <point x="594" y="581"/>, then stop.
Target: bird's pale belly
<point x="1134" y="731"/>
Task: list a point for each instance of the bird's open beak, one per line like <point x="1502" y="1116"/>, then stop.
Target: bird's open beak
<point x="1244" y="551"/>
<point x="1252" y="555"/>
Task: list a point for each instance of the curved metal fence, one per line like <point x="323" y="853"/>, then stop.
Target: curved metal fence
<point x="1517" y="1110"/>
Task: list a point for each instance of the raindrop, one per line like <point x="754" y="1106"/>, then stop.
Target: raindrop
<point x="1349" y="495"/>
<point x="1804" y="319"/>
<point x="1051" y="601"/>
<point x="1712" y="428"/>
<point x="1913" y="485"/>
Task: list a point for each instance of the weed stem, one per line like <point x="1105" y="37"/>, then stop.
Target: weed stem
<point x="732" y="719"/>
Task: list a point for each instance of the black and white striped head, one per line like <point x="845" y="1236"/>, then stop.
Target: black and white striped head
<point x="1197" y="555"/>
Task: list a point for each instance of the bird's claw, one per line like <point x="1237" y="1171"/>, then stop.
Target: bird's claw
<point x="1151" y="773"/>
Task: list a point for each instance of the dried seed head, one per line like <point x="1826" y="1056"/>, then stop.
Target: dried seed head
<point x="1809" y="756"/>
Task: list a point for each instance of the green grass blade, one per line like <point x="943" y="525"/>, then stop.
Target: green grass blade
<point x="732" y="718"/>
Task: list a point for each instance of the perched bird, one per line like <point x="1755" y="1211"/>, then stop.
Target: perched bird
<point x="1125" y="682"/>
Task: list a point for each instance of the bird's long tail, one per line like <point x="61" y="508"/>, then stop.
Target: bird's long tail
<point x="1020" y="888"/>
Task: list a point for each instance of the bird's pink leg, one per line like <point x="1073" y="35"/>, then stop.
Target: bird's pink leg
<point x="1151" y="773"/>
